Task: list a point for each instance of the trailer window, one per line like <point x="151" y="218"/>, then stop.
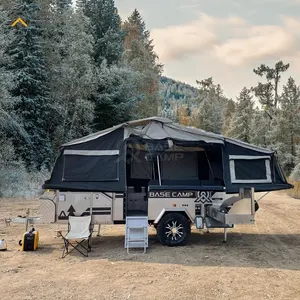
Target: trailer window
<point x="179" y="165"/>
<point x="87" y="166"/>
<point x="250" y="169"/>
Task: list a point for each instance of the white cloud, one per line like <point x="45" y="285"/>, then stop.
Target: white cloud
<point x="174" y="42"/>
<point x="189" y="6"/>
<point x="231" y="40"/>
<point x="291" y="24"/>
<point x="259" y="42"/>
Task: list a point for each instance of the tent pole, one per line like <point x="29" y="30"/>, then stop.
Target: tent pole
<point x="158" y="168"/>
<point x="91" y="214"/>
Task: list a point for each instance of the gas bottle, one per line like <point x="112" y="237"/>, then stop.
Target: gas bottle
<point x="3" y="245"/>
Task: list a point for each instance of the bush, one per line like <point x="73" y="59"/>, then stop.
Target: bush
<point x="15" y="180"/>
<point x="295" y="192"/>
<point x="295" y="175"/>
<point x="295" y="181"/>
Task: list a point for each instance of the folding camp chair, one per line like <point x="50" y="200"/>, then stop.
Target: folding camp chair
<point x="80" y="228"/>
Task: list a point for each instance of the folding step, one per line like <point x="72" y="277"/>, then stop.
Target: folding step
<point x="136" y="234"/>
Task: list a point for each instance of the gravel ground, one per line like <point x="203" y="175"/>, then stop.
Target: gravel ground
<point x="260" y="261"/>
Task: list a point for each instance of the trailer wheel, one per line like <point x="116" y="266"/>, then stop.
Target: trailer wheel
<point x="173" y="230"/>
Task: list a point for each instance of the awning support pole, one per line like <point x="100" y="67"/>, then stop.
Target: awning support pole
<point x="158" y="168"/>
<point x="91" y="214"/>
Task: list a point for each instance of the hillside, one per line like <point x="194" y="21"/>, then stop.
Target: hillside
<point x="171" y="90"/>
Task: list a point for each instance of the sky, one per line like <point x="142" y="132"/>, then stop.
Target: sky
<point x="223" y="39"/>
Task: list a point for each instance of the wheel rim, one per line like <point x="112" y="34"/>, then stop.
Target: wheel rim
<point x="174" y="231"/>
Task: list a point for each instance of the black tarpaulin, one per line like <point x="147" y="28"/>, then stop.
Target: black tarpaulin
<point x="97" y="162"/>
<point x="246" y="167"/>
<point x="91" y="170"/>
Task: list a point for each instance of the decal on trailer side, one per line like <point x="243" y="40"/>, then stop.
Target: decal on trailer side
<point x="95" y="211"/>
<point x="172" y="194"/>
<point x="201" y="196"/>
<point x="204" y="197"/>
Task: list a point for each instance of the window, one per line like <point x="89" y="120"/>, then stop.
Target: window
<point x="91" y="165"/>
<point x="250" y="169"/>
<point x="179" y="165"/>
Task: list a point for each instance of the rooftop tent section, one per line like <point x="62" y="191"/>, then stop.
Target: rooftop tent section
<point x="164" y="130"/>
<point x="95" y="164"/>
<point x="97" y="161"/>
<point x="250" y="166"/>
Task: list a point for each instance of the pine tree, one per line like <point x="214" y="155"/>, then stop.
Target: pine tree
<point x="228" y="113"/>
<point x="62" y="5"/>
<point x="106" y="30"/>
<point x="116" y="96"/>
<point x="140" y="56"/>
<point x="260" y="131"/>
<point x="212" y="105"/>
<point x="287" y="129"/>
<point x="242" y="118"/>
<point x="70" y="49"/>
<point x="7" y="119"/>
<point x="81" y="4"/>
<point x="29" y="73"/>
<point x="264" y="91"/>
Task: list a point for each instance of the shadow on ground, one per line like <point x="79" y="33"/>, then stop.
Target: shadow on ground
<point x="241" y="250"/>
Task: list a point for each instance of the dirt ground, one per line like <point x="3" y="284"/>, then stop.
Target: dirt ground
<point x="260" y="261"/>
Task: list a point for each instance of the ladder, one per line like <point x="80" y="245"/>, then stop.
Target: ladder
<point x="136" y="235"/>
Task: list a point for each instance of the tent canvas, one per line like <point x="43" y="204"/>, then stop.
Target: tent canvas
<point x="158" y="152"/>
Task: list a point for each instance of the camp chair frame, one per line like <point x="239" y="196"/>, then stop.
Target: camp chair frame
<point x="80" y="245"/>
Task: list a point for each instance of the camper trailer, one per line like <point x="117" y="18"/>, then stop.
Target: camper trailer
<point x="171" y="175"/>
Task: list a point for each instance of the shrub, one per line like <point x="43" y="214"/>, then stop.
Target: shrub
<point x="15" y="180"/>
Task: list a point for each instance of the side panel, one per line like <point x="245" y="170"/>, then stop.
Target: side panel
<point x="79" y="203"/>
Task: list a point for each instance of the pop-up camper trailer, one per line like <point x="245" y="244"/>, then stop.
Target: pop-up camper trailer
<point x="173" y="175"/>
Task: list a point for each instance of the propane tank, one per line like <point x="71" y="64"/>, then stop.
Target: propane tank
<point x="3" y="245"/>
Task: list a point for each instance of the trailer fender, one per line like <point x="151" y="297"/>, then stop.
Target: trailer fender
<point x="168" y="210"/>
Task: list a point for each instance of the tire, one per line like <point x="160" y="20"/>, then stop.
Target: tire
<point x="169" y="238"/>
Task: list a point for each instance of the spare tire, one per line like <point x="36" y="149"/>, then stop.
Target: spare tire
<point x="173" y="230"/>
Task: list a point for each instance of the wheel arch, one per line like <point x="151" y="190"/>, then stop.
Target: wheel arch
<point x="165" y="211"/>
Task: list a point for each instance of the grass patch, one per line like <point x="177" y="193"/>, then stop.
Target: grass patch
<point x="295" y="192"/>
